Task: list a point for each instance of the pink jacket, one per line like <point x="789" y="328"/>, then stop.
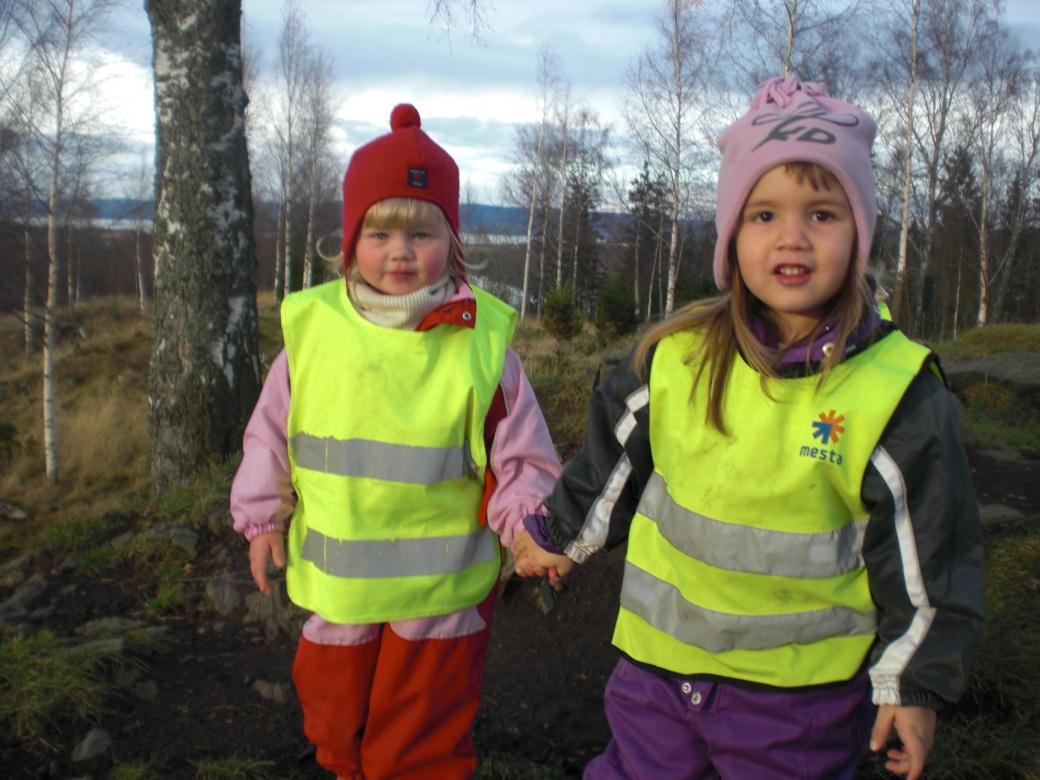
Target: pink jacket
<point x="522" y="459"/>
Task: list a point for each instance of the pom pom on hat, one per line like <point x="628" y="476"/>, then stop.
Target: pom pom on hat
<point x="404" y="115"/>
<point x="795" y="121"/>
<point x="404" y="163"/>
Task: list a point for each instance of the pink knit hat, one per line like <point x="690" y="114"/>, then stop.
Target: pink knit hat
<point x="795" y="121"/>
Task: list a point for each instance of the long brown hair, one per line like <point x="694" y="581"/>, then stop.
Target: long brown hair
<point x="726" y="322"/>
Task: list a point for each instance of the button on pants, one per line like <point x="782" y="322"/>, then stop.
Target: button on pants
<point x="671" y="729"/>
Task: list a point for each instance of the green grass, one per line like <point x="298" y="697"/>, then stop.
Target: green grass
<point x="1008" y="337"/>
<point x="192" y="502"/>
<point x="994" y="733"/>
<point x="135" y="771"/>
<point x="78" y="534"/>
<point x="44" y="683"/>
<point x="1022" y="436"/>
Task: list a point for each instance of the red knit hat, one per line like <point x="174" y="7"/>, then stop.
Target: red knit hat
<point x="404" y="163"/>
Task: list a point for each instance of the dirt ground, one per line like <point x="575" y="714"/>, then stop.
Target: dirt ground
<point x="543" y="689"/>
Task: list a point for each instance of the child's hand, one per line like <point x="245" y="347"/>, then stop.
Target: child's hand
<point x="263" y="548"/>
<point x="916" y="729"/>
<point x="533" y="561"/>
<point x="523" y="554"/>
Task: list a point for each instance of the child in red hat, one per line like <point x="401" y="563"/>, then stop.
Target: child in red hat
<point x="399" y="443"/>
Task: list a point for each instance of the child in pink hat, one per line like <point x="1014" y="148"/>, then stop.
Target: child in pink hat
<point x="399" y="445"/>
<point x="804" y="569"/>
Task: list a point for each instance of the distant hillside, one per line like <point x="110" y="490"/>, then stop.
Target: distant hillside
<point x="475" y="217"/>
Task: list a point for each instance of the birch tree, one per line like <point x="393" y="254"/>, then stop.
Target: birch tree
<point x="316" y="122"/>
<point x="950" y="31"/>
<point x="801" y="37"/>
<point x="1023" y="155"/>
<point x="291" y="71"/>
<point x="548" y="82"/>
<point x="22" y="173"/>
<point x="914" y="10"/>
<point x="58" y="33"/>
<point x="204" y="376"/>
<point x="989" y="117"/>
<point x="141" y="191"/>
<point x="668" y="97"/>
<point x="563" y="158"/>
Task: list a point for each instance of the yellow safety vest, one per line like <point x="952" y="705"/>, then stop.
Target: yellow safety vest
<point x="386" y="447"/>
<point x="744" y="558"/>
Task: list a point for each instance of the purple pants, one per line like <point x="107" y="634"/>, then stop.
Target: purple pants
<point x="668" y="729"/>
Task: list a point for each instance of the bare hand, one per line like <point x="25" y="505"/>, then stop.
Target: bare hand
<point x="915" y="727"/>
<point x="264" y="548"/>
<point x="533" y="561"/>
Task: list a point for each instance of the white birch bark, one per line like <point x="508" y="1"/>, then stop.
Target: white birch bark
<point x="908" y="154"/>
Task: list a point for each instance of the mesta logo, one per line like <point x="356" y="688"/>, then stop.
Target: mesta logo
<point x="828" y="429"/>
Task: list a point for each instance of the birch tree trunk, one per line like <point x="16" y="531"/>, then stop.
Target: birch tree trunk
<point x="908" y="155"/>
<point x="530" y="235"/>
<point x="50" y="336"/>
<point x="982" y="316"/>
<point x="563" y="208"/>
<point x="287" y="264"/>
<point x="205" y="370"/>
<point x="139" y="265"/>
<point x="28" y="303"/>
<point x="279" y="261"/>
<point x="541" y="254"/>
<point x="635" y="262"/>
<point x="312" y="207"/>
<point x="791" y="9"/>
<point x="548" y="77"/>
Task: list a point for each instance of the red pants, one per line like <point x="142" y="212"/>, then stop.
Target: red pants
<point x="394" y="708"/>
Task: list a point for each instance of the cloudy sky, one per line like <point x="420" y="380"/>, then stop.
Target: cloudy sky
<point x="472" y="95"/>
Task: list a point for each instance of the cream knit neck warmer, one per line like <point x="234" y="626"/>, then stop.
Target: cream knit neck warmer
<point x="404" y="312"/>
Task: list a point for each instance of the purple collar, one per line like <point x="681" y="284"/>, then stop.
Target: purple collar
<point x="816" y="350"/>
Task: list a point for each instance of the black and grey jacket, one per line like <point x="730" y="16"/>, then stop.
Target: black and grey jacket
<point x="922" y="547"/>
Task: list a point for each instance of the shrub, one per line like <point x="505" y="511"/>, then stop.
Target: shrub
<point x="560" y="314"/>
<point x="615" y="309"/>
<point x="988" y="397"/>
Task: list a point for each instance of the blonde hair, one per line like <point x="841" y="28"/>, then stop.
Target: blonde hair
<point x="726" y="322"/>
<point x="398" y="213"/>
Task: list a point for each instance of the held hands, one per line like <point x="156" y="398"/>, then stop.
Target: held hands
<point x="264" y="548"/>
<point x="915" y="727"/>
<point x="533" y="561"/>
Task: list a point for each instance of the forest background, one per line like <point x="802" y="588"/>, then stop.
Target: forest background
<point x="244" y="184"/>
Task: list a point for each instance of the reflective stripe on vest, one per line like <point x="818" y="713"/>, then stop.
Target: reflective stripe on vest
<point x="379" y="558"/>
<point x="744" y="557"/>
<point x="662" y="606"/>
<point x="387" y="457"/>
<point x="756" y="550"/>
<point x="379" y="460"/>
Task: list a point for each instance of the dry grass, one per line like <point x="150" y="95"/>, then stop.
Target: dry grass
<point x="1002" y="337"/>
<point x="102" y="370"/>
